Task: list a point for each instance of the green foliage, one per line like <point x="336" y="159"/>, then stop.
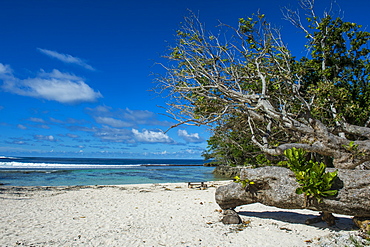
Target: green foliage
<point x="244" y="183"/>
<point x="313" y="180"/>
<point x="351" y="146"/>
<point x="232" y="146"/>
<point x="337" y="72"/>
<point x="247" y="85"/>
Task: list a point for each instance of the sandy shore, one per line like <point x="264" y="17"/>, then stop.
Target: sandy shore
<point x="151" y="215"/>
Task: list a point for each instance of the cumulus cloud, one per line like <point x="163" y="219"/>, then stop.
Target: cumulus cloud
<point x="5" y="69"/>
<point x="68" y="121"/>
<point x="72" y="135"/>
<point x="65" y="58"/>
<point x="189" y="137"/>
<point x="101" y="109"/>
<point x="123" y="135"/>
<point x="56" y="85"/>
<point x="149" y="136"/>
<point x="45" y="138"/>
<point x="16" y="142"/>
<point x="36" y="120"/>
<point x="124" y="117"/>
<point x="108" y="134"/>
<point x="112" y="122"/>
<point x="22" y="127"/>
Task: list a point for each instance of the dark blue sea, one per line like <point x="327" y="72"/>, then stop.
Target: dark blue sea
<point x="36" y="171"/>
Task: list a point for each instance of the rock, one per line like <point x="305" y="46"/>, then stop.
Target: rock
<point x="231" y="217"/>
<point x="275" y="186"/>
<point x="211" y="164"/>
<point x="364" y="166"/>
<point x="227" y="171"/>
<point x="324" y="216"/>
<point x="328" y="218"/>
<point x="362" y="223"/>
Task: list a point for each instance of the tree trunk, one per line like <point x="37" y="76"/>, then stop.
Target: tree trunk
<point x="275" y="186"/>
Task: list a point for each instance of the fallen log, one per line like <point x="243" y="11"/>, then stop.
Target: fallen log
<point x="276" y="186"/>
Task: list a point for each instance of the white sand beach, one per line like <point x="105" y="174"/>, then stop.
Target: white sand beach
<point x="151" y="215"/>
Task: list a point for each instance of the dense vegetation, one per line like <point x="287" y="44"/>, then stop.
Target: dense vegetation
<point x="259" y="98"/>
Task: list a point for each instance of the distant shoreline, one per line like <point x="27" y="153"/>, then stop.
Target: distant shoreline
<point x="40" y="174"/>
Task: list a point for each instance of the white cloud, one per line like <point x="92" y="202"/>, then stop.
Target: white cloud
<point x="112" y="122"/>
<point x="72" y="135"/>
<point x="43" y="126"/>
<point x="65" y="58"/>
<point x="45" y="138"/>
<point x="5" y="69"/>
<point x="16" y="142"/>
<point x="108" y="134"/>
<point x="57" y="86"/>
<point x="54" y="120"/>
<point x="124" y="117"/>
<point x="151" y="136"/>
<point x="22" y="127"/>
<point x="101" y="108"/>
<point x="189" y="137"/>
<point x="36" y="120"/>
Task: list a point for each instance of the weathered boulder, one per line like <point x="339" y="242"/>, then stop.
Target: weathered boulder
<point x="275" y="186"/>
<point x="227" y="171"/>
<point x="231" y="217"/>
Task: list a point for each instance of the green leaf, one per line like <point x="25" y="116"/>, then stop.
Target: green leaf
<point x="313" y="180"/>
<point x="299" y="190"/>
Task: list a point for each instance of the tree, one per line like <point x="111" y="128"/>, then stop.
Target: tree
<point x="231" y="145"/>
<point x="319" y="103"/>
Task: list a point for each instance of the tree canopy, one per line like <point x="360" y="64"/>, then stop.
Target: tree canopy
<point x="246" y="80"/>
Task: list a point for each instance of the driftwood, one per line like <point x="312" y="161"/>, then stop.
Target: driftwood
<point x="275" y="186"/>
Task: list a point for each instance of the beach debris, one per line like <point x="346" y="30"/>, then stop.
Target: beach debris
<point x="201" y="185"/>
<point x="328" y="218"/>
<point x="285" y="229"/>
<point x="80" y="217"/>
<point x="231" y="217"/>
<point x="240" y="227"/>
<point x="276" y="186"/>
<point x="246" y="222"/>
<point x="363" y="223"/>
<point x="324" y="216"/>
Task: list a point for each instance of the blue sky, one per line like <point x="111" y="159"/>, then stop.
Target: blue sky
<point x="75" y="75"/>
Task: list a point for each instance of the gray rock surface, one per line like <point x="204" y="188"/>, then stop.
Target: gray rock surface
<point x="275" y="186"/>
<point x="231" y="217"/>
<point x="227" y="171"/>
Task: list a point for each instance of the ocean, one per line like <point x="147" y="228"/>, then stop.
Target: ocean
<point x="36" y="171"/>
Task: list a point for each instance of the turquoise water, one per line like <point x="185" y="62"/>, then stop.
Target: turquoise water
<point x="72" y="171"/>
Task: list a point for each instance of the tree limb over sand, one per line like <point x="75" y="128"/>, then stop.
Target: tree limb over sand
<point x="276" y="186"/>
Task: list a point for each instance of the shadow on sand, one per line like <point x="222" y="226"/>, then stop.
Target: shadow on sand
<point x="342" y="223"/>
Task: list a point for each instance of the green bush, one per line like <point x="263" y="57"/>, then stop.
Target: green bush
<point x="313" y="180"/>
